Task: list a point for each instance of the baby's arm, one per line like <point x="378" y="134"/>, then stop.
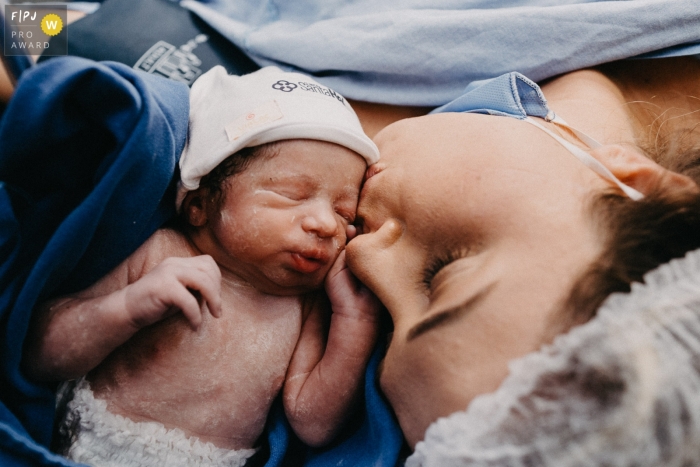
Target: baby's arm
<point x="322" y="383"/>
<point x="71" y="335"/>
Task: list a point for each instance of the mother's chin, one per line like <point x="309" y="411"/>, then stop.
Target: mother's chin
<point x="415" y="404"/>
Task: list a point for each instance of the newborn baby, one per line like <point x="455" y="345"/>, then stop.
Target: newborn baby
<point x="188" y="341"/>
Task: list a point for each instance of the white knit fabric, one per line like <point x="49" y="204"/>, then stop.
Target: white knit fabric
<point x="103" y="439"/>
<point x="229" y="113"/>
<point x="621" y="390"/>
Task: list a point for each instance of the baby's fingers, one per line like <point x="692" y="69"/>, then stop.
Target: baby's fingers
<point x="338" y="266"/>
<point x="205" y="278"/>
<point x="350" y="232"/>
<point x="183" y="299"/>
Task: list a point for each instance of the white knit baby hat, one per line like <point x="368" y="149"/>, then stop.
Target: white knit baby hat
<point x="229" y="113"/>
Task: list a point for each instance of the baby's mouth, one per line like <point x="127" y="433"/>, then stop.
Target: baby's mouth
<point x="309" y="261"/>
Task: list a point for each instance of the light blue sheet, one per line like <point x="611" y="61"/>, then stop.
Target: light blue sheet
<point x="424" y="52"/>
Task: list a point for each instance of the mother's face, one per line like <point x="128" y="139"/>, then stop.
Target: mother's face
<point x="474" y="230"/>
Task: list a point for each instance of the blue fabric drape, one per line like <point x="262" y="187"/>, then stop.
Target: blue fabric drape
<point x="424" y="52"/>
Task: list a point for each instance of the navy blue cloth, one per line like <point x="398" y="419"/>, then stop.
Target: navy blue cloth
<point x="157" y="36"/>
<point x="87" y="156"/>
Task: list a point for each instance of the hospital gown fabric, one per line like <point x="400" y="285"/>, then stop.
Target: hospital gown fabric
<point x="424" y="52"/>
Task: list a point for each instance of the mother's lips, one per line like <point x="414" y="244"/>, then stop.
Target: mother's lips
<point x="373" y="170"/>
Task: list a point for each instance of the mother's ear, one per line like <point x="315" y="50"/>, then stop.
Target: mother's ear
<point x="641" y="173"/>
<point x="194" y="207"/>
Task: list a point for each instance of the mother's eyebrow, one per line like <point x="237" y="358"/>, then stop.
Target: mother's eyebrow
<point x="445" y="317"/>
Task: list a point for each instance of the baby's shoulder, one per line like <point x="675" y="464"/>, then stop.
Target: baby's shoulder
<point x="164" y="243"/>
<point x="169" y="239"/>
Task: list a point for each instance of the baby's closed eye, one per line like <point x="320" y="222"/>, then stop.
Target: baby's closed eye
<point x="348" y="216"/>
<point x="293" y="191"/>
<point x="345" y="206"/>
<point x="294" y="195"/>
<point x="291" y="187"/>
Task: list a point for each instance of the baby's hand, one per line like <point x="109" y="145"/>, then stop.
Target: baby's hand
<point x="348" y="295"/>
<point x="350" y="232"/>
<point x="190" y="285"/>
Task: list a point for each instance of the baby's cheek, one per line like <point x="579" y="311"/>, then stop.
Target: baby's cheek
<point x="339" y="243"/>
<point x="257" y="230"/>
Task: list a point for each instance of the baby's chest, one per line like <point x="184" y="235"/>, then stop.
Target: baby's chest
<point x="226" y="374"/>
<point x="253" y="343"/>
<point x="249" y="343"/>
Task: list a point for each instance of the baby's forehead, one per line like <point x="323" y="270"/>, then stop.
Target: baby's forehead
<point x="314" y="160"/>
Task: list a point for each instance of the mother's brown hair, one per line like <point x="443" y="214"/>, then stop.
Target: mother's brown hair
<point x="640" y="235"/>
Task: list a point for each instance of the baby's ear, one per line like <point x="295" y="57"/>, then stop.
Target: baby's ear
<point x="641" y="173"/>
<point x="194" y="208"/>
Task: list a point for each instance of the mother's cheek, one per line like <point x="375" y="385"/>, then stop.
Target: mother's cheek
<point x="409" y="389"/>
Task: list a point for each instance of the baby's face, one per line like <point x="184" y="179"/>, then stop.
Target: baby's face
<point x="282" y="222"/>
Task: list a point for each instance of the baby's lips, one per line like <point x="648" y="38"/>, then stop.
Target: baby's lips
<point x="319" y="254"/>
<point x="308" y="264"/>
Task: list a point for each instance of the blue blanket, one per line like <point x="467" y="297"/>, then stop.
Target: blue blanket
<point x="87" y="153"/>
<point x="424" y="52"/>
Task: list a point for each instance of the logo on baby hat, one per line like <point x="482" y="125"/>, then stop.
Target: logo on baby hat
<point x="284" y="86"/>
<point x="287" y="86"/>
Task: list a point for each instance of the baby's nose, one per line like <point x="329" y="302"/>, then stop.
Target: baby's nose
<point x="321" y="221"/>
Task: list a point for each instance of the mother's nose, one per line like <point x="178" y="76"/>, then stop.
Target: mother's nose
<point x="384" y="263"/>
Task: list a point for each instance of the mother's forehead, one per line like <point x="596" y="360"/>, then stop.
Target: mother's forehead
<point x="453" y="128"/>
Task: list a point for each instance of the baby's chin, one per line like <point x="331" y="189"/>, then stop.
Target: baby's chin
<point x="290" y="282"/>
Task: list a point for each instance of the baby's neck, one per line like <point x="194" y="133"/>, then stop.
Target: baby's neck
<point x="233" y="283"/>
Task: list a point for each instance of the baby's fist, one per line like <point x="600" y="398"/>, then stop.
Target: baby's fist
<point x="348" y="295"/>
<point x="189" y="285"/>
